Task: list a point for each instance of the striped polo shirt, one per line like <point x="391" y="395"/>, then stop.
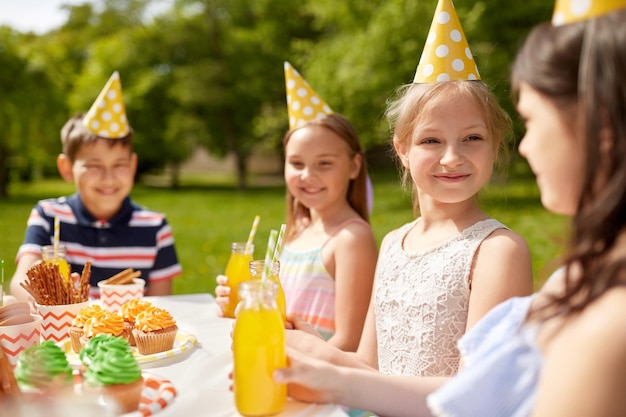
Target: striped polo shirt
<point x="134" y="238"/>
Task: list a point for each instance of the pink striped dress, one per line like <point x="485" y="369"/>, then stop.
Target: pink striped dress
<point x="309" y="288"/>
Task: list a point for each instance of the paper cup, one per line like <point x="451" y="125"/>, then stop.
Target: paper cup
<point x="58" y="319"/>
<point x="16" y="338"/>
<point x="112" y="297"/>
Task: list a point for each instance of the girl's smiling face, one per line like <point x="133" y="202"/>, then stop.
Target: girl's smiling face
<point x="451" y="154"/>
<point x="318" y="167"/>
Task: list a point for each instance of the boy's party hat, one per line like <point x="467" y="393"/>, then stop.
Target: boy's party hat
<point x="446" y="55"/>
<point x="303" y="104"/>
<point x="569" y="11"/>
<point x="107" y="116"/>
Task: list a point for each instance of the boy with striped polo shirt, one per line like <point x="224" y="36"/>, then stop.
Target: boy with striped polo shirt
<point x="100" y="223"/>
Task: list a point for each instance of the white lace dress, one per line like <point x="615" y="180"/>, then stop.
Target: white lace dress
<point x="421" y="301"/>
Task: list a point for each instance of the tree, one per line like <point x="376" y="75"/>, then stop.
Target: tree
<point x="210" y="72"/>
<point x="27" y="114"/>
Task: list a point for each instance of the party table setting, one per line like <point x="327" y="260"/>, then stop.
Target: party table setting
<point x="190" y="376"/>
<point x="192" y="379"/>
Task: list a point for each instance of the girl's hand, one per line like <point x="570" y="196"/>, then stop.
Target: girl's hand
<point x="306" y="340"/>
<point x="297" y="323"/>
<point x="222" y="293"/>
<point x="308" y="378"/>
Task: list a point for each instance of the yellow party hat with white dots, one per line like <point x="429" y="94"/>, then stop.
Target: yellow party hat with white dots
<point x="303" y="104"/>
<point x="446" y="55"/>
<point x="107" y="116"/>
<point x="569" y="11"/>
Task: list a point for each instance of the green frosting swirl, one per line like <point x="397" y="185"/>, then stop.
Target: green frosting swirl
<point x="113" y="363"/>
<point x="43" y="365"/>
<point x="101" y="343"/>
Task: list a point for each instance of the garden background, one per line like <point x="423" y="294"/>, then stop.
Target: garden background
<point x="206" y="78"/>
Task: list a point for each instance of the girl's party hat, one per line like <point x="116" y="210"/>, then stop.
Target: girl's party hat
<point x="569" y="11"/>
<point x="107" y="116"/>
<point x="303" y="104"/>
<point x="446" y="55"/>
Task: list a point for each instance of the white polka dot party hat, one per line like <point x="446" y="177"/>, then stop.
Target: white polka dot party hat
<point x="569" y="11"/>
<point x="303" y="104"/>
<point x="107" y="116"/>
<point x="446" y="55"/>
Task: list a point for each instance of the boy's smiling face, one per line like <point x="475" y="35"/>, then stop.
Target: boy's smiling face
<point x="103" y="174"/>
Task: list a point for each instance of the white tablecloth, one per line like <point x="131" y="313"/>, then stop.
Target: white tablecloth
<point x="200" y="375"/>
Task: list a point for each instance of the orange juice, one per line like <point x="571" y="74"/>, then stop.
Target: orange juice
<point x="64" y="267"/>
<point x="237" y="271"/>
<point x="256" y="270"/>
<point x="259" y="349"/>
<point x="59" y="258"/>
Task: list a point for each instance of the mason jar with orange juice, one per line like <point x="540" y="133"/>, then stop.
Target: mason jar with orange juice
<point x="237" y="271"/>
<point x="258" y="349"/>
<point x="256" y="270"/>
<point x="56" y="256"/>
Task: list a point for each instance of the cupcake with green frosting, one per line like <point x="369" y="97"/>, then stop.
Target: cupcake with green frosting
<point x="43" y="366"/>
<point x="99" y="344"/>
<point x="113" y="372"/>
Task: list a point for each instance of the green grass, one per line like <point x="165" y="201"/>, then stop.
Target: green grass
<point x="208" y="214"/>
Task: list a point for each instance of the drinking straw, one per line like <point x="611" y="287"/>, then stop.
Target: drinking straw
<point x="57" y="229"/>
<point x="279" y="242"/>
<point x="255" y="225"/>
<point x="271" y="245"/>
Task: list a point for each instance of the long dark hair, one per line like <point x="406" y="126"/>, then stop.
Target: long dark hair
<point x="581" y="67"/>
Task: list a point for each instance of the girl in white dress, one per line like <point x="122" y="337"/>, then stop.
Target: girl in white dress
<point x="440" y="273"/>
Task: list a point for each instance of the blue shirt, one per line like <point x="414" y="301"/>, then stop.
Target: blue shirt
<point x="135" y="238"/>
<point x="502" y="367"/>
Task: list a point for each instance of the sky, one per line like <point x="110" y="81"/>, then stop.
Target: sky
<point x="40" y="16"/>
<point x="35" y="15"/>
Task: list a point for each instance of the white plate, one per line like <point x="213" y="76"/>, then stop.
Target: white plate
<point x="182" y="343"/>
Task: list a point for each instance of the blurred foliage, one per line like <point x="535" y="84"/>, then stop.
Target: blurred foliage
<point x="209" y="73"/>
<point x="203" y="236"/>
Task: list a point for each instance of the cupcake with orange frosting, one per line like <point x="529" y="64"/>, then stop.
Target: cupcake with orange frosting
<point x="129" y="312"/>
<point x="155" y="330"/>
<point x="78" y="325"/>
<point x="104" y="321"/>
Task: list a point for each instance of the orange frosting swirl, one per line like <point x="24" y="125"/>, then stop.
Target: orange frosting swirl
<point x="131" y="308"/>
<point x="85" y="314"/>
<point x="104" y="322"/>
<point x="154" y="318"/>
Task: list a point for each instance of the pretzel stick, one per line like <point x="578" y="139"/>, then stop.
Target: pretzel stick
<point x="119" y="277"/>
<point x="83" y="285"/>
<point x="8" y="384"/>
<point x="122" y="278"/>
<point x="49" y="287"/>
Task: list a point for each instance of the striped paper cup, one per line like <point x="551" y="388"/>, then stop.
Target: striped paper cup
<point x="58" y="319"/>
<point x="14" y="339"/>
<point x="113" y="297"/>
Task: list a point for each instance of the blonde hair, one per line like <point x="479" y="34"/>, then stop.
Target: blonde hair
<point x="413" y="101"/>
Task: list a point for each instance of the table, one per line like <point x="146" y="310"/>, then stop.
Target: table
<point x="200" y="375"/>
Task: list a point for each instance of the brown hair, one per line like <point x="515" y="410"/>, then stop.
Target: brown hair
<point x="406" y="110"/>
<point x="581" y="68"/>
<point x="74" y="135"/>
<point x="357" y="190"/>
